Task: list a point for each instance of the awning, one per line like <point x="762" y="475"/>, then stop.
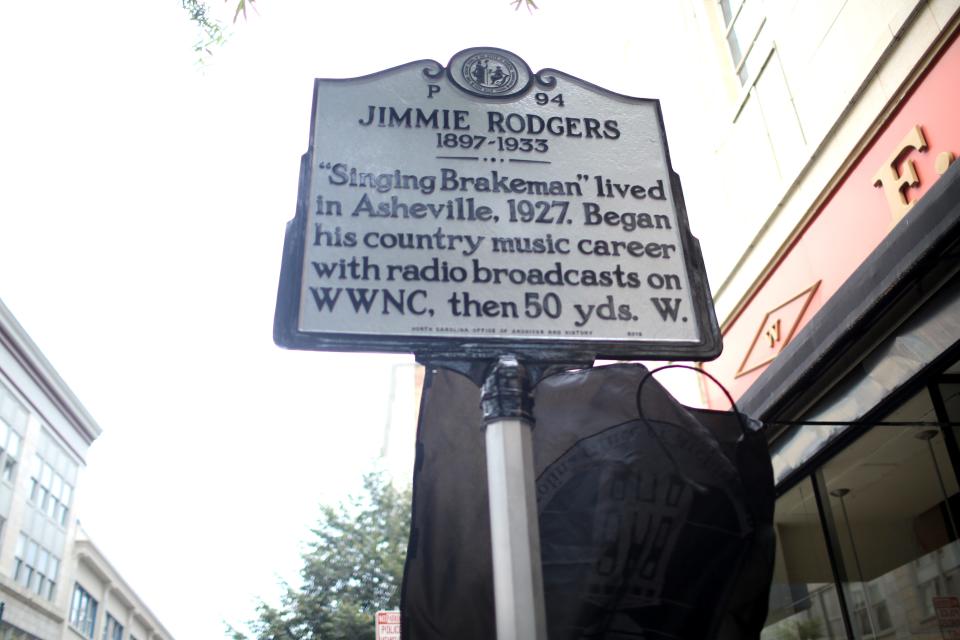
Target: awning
<point x="890" y="320"/>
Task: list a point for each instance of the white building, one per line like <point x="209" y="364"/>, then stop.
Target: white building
<point x="831" y="154"/>
<point x="54" y="582"/>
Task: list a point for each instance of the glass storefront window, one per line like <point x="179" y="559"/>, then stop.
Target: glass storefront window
<point x="890" y="516"/>
<point x="948" y="390"/>
<point x="803" y="599"/>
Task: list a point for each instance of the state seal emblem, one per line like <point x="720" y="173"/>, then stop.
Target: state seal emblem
<point x="487" y="72"/>
<point x="490" y="73"/>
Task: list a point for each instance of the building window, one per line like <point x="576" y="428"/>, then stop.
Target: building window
<point x="803" y="596"/>
<point x="743" y="21"/>
<point x="112" y="630"/>
<point x="10" y="632"/>
<point x="9" y="449"/>
<point x="13" y="422"/>
<point x="12" y="411"/>
<point x="891" y="497"/>
<point x="35" y="568"/>
<point x="49" y="492"/>
<point x="83" y="612"/>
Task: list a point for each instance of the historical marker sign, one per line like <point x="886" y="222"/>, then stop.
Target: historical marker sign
<point x="480" y="208"/>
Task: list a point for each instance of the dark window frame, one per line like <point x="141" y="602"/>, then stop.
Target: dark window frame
<point x="83" y="611"/>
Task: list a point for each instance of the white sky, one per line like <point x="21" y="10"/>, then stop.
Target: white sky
<point x="142" y="207"/>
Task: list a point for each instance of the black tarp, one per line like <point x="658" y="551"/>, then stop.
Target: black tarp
<point x="655" y="519"/>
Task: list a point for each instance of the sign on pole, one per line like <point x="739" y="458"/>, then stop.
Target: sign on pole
<point x="388" y="625"/>
<point x="479" y="208"/>
<point x="948" y="616"/>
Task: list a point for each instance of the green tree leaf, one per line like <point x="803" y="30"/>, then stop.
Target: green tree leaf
<point x="352" y="568"/>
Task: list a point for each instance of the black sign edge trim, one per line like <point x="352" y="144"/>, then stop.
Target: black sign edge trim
<point x="286" y="318"/>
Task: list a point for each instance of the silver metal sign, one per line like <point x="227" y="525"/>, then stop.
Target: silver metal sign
<point x="479" y="208"/>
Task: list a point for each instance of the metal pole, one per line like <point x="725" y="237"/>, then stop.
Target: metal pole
<point x="929" y="435"/>
<point x="514" y="526"/>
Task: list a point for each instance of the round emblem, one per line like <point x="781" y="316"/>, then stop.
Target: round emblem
<point x="489" y="73"/>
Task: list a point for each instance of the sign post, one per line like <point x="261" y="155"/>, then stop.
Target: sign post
<point x="481" y="215"/>
<point x="514" y="527"/>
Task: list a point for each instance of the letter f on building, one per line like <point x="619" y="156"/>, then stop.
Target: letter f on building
<point x="896" y="184"/>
